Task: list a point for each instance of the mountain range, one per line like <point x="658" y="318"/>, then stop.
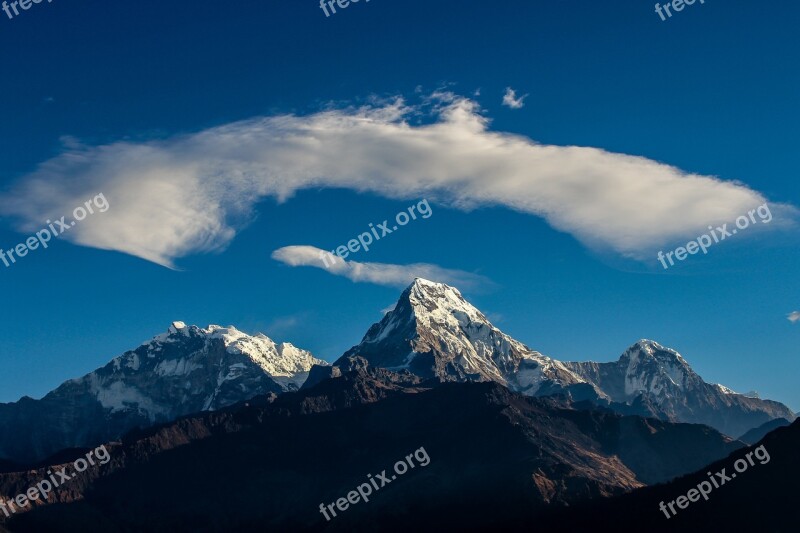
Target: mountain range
<point x="214" y="429"/>
<point x="434" y="332"/>
<point x="268" y="463"/>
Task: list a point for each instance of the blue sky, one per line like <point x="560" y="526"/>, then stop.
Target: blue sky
<point x="569" y="252"/>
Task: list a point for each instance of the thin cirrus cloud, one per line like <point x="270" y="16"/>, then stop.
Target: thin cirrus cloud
<point x="190" y="194"/>
<point x="794" y="316"/>
<point x="378" y="273"/>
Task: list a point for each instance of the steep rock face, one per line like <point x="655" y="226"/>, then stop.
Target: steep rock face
<point x="661" y="377"/>
<point x="185" y="370"/>
<point x="434" y="332"/>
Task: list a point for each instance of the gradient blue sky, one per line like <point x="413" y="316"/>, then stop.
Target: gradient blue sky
<point x="711" y="91"/>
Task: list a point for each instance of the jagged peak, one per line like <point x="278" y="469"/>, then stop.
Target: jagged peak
<point x="425" y="297"/>
<point x="176" y="329"/>
<point x="423" y="289"/>
<point x="227" y="333"/>
<point x="725" y="390"/>
<point x="422" y="282"/>
<point x="649" y="366"/>
<point x="176" y="326"/>
<point x="214" y="329"/>
<point x="651" y="349"/>
<point x="232" y="337"/>
<point x="648" y="344"/>
<point x="277" y="359"/>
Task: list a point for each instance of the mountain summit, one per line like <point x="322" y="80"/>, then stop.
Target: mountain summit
<point x="648" y="373"/>
<point x="434" y="332"/>
<point x="185" y="370"/>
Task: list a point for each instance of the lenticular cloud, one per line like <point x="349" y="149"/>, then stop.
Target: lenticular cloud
<point x="191" y="193"/>
<point x="378" y="273"/>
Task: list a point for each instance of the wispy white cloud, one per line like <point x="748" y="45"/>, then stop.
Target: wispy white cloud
<point x="794" y="316"/>
<point x="191" y="193"/>
<point x="510" y="99"/>
<point x="378" y="273"/>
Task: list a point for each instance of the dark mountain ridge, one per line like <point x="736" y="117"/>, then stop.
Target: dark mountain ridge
<point x="274" y="460"/>
<point x="761" y="498"/>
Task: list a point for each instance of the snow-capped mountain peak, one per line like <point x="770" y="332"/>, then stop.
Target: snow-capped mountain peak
<point x="186" y="369"/>
<point x="278" y="360"/>
<point x="651" y="349"/>
<point x="649" y="374"/>
<point x="437" y="300"/>
<point x="176" y="327"/>
<point x="434" y="331"/>
<point x="653" y="368"/>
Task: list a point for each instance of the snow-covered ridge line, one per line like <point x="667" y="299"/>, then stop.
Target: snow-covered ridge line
<point x="281" y="360"/>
